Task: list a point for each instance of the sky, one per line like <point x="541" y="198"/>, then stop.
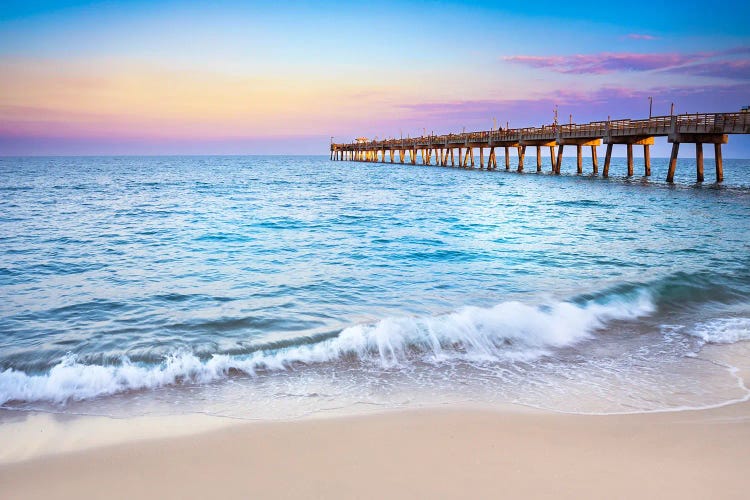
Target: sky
<point x="230" y="77"/>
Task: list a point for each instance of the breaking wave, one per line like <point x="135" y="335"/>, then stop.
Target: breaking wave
<point x="723" y="330"/>
<point x="508" y="331"/>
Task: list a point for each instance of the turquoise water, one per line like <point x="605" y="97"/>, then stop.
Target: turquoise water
<point x="269" y="287"/>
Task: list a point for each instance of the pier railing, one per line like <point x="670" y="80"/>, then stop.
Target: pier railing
<point x="699" y="123"/>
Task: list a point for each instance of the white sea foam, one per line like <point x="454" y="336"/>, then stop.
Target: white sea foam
<point x="723" y="330"/>
<point x="509" y="330"/>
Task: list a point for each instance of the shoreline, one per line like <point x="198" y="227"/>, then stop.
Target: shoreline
<point x="440" y="452"/>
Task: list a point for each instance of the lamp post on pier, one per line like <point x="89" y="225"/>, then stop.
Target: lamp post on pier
<point x="650" y="106"/>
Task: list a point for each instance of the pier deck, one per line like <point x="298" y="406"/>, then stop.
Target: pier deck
<point x="698" y="129"/>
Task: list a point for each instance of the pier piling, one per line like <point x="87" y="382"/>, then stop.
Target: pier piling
<point x="673" y="161"/>
<point x="594" y="160"/>
<point x="558" y="163"/>
<point x="538" y="158"/>
<point x="552" y="157"/>
<point x="607" y="160"/>
<point x="630" y="160"/>
<point x="719" y="163"/>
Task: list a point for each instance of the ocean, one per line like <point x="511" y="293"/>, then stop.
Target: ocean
<point x="276" y="287"/>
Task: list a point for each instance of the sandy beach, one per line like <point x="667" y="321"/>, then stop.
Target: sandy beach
<point x="430" y="453"/>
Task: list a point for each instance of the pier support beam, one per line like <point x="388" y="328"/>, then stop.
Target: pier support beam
<point x="453" y="163"/>
<point x="521" y="155"/>
<point x="719" y="163"/>
<point x="492" y="161"/>
<point x="558" y="163"/>
<point x="607" y="160"/>
<point x="507" y="159"/>
<point x="552" y="157"/>
<point x="481" y="158"/>
<point x="579" y="158"/>
<point x="630" y="160"/>
<point x="699" y="161"/>
<point x="647" y="160"/>
<point x="538" y="158"/>
<point x="673" y="161"/>
<point x="594" y="160"/>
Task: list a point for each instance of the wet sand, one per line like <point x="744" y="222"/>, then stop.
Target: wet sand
<point x="431" y="453"/>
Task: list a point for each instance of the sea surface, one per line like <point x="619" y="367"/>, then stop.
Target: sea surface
<point x="283" y="286"/>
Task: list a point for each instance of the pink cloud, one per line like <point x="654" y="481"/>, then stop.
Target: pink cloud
<point x="17" y="137"/>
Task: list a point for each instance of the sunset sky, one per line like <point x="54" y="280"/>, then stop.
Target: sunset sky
<point x="165" y="77"/>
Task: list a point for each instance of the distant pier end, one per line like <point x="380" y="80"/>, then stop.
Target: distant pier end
<point x="457" y="150"/>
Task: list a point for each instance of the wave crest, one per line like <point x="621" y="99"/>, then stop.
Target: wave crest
<point x="507" y="331"/>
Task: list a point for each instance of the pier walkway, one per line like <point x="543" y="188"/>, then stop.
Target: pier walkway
<point x="457" y="150"/>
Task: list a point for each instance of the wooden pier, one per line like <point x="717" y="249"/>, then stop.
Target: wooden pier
<point x="457" y="150"/>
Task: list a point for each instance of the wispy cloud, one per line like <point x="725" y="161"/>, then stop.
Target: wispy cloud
<point x="721" y="64"/>
<point x="605" y="62"/>
<point x="641" y="36"/>
<point x="735" y="70"/>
